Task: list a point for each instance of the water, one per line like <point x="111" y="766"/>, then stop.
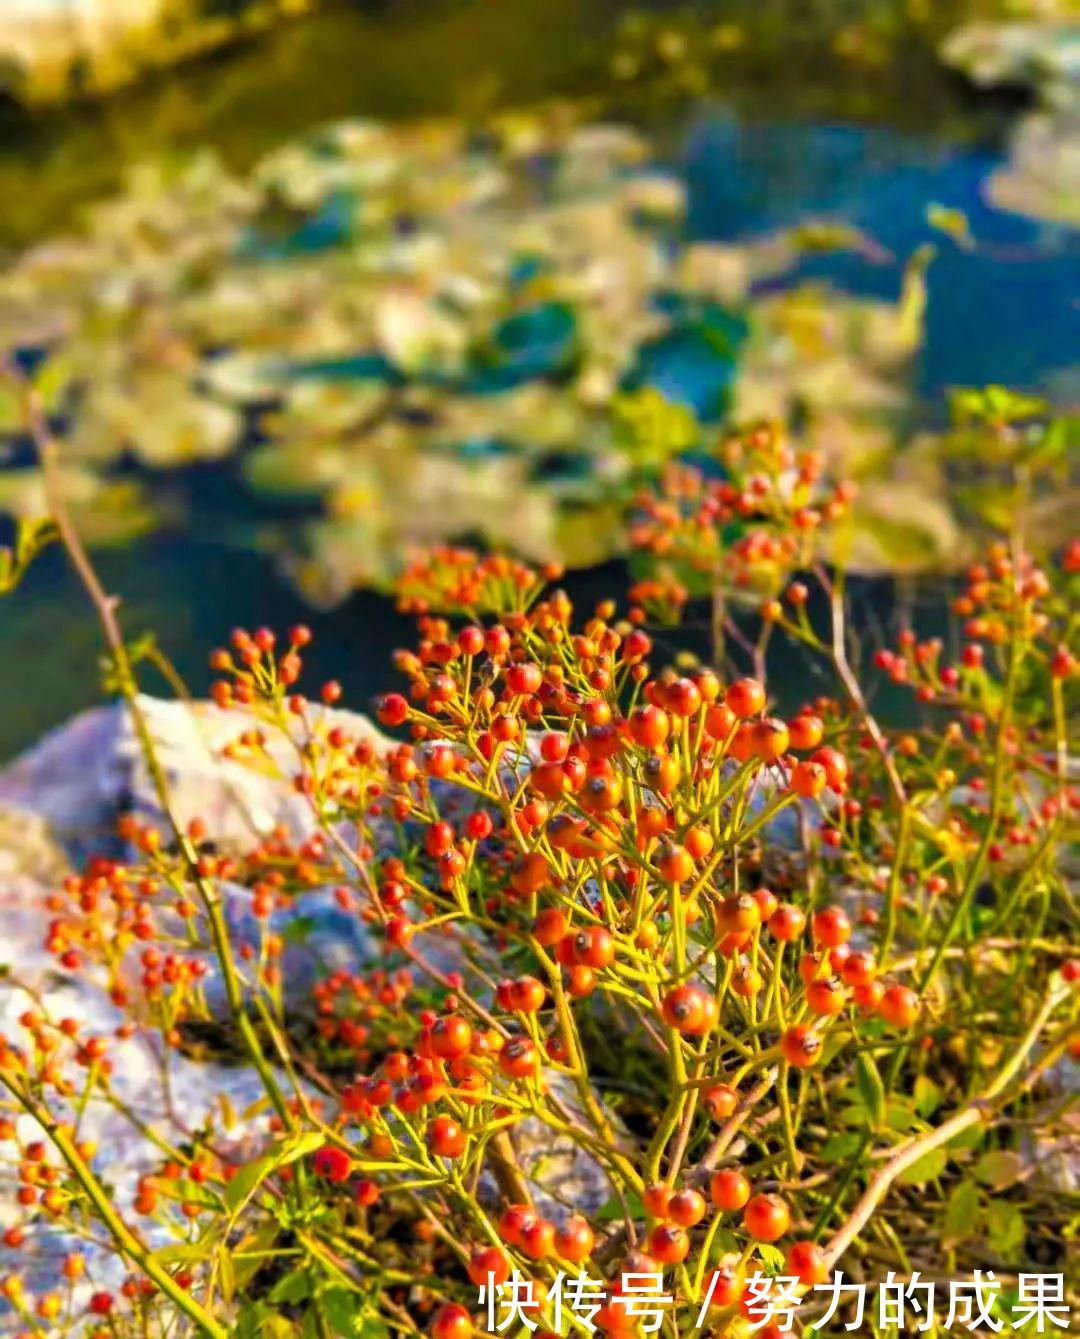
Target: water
<point x="1005" y="311"/>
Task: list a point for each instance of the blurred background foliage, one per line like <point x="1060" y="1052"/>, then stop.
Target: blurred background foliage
<point x="318" y="283"/>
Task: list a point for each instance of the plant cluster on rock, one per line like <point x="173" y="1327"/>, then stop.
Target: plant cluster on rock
<point x="751" y="1046"/>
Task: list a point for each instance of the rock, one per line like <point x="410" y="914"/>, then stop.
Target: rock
<point x="75" y="782"/>
<point x="564" y="1178"/>
<point x="31" y="864"/>
<point x="61" y="47"/>
<point x="71" y="787"/>
<point x="82" y="775"/>
<point x="65" y="794"/>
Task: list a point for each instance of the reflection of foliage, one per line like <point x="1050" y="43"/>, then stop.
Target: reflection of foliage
<point x="409" y="335"/>
<point x="31" y="536"/>
<point x="650" y="429"/>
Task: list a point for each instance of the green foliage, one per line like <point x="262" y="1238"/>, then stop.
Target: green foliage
<point x="32" y="535"/>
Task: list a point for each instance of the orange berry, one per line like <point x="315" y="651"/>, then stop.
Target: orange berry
<point x="801" y="1047"/>
<point x="767" y="1217"/>
<point x="745" y="697"/>
<point x="729" y="1189"/>
<point x="687" y="1207"/>
<point x="899" y="1006"/>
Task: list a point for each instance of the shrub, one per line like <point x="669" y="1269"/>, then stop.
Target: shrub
<point x="792" y="987"/>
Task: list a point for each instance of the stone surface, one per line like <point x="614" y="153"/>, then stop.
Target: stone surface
<point x="84" y="773"/>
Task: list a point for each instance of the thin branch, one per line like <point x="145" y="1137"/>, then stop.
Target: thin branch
<point x="970" y="1114"/>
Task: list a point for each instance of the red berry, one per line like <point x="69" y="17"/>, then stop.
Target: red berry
<point x="767" y="1217"/>
<point x="720" y="1101"/>
<point x="519" y="1058"/>
<point x="806" y="731"/>
<point x="690" y="1009"/>
<point x="831" y="927"/>
<point x="648" y="726"/>
<point x="450" y="1036"/>
<point x="687" y="1207"/>
<point x="656" y="1199"/>
<point x="723" y="1287"/>
<point x="392" y="709"/>
<point x="488" y="1264"/>
<point x="745" y="697"/>
<point x="729" y="1189"/>
<point x="523" y="679"/>
<point x="836" y="766"/>
<point x="675" y="863"/>
<point x="333" y="1163"/>
<point x="801" y="1047"/>
<point x="899" y="1006"/>
<point x="575" y="1239"/>
<point x="808" y="779"/>
<point x="668" y="1244"/>
<point x="787" y="923"/>
<point x="451" y="1322"/>
<point x="446" y="1138"/>
<point x="367" y="1192"/>
<point x="514" y="1221"/>
<point x="806" y="1262"/>
<point x="550" y="926"/>
<point x="538" y="1239"/>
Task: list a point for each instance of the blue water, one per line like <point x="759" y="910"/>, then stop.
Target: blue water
<point x="1006" y="311"/>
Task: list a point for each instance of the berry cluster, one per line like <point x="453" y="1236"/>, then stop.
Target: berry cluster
<point x="702" y="943"/>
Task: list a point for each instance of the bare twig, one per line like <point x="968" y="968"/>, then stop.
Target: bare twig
<point x="970" y="1114"/>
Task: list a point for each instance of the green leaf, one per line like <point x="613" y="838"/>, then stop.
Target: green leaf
<point x="187" y="1252"/>
<point x="952" y="222"/>
<point x="12" y="415"/>
<point x="258" y="1321"/>
<point x="650" y="429"/>
<point x="993" y="405"/>
<point x="1005" y="1227"/>
<point x="871" y="1088"/>
<point x="962" y="1212"/>
<point x="972" y="1137"/>
<point x="723" y="1243"/>
<point x="840" y="1147"/>
<point x="52" y="380"/>
<point x="194" y="1193"/>
<point x="252" y="1174"/>
<point x="341" y="1308"/>
<point x="928" y="1168"/>
<point x="352" y="1315"/>
<point x="1055" y="444"/>
<point x="825" y="237"/>
<point x="999" y="1169"/>
<point x="927" y="1096"/>
<point x="293" y="1288"/>
<point x="771" y="1257"/>
<point x="612" y="1211"/>
<point x="226" y="1274"/>
<point x="900" y="1118"/>
<point x="298" y="930"/>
